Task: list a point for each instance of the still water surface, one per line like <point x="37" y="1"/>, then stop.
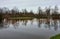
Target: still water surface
<point x="29" y="29"/>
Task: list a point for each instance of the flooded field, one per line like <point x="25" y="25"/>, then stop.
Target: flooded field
<point x="29" y="29"/>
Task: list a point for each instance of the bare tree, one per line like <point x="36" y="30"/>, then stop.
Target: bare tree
<point x="48" y="11"/>
<point x="15" y="10"/>
<point x="31" y="12"/>
<point x="24" y="11"/>
<point x="55" y="10"/>
<point x="39" y="10"/>
<point x="1" y="10"/>
<point x="5" y="10"/>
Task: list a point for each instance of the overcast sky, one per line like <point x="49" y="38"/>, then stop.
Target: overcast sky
<point x="28" y="4"/>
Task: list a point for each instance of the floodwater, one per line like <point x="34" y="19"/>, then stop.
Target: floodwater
<point x="29" y="29"/>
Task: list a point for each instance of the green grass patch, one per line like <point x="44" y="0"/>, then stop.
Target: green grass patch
<point x="21" y="18"/>
<point x="55" y="37"/>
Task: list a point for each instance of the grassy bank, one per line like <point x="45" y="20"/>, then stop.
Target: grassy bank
<point x="21" y="18"/>
<point x="56" y="37"/>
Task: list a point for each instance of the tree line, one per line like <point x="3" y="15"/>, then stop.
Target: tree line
<point x="40" y="11"/>
<point x="15" y="12"/>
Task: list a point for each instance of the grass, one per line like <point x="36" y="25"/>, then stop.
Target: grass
<point x="21" y="18"/>
<point x="55" y="37"/>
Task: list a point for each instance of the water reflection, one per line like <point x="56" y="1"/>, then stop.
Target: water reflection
<point x="25" y="22"/>
<point x="1" y="25"/>
<point x="55" y="25"/>
<point x="46" y="24"/>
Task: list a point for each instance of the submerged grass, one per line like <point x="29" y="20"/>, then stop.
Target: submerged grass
<point x="55" y="37"/>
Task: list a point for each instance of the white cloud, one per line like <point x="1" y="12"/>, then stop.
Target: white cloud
<point x="29" y="4"/>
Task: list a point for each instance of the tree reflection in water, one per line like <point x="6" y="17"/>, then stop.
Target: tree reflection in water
<point x="39" y="23"/>
<point x="25" y="22"/>
<point x="51" y="24"/>
<point x="1" y="25"/>
<point x="55" y="25"/>
<point x="16" y="25"/>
